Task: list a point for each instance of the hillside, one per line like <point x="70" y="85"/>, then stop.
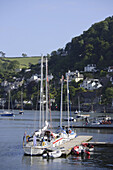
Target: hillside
<point x="94" y="46"/>
<point x="24" y="62"/>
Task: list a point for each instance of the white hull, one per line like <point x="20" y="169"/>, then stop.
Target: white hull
<point x="29" y="149"/>
<point x="33" y="150"/>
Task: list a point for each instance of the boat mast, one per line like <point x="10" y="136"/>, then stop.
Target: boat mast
<point x="21" y="99"/>
<point x="78" y="104"/>
<point x="61" y="101"/>
<point x="46" y="89"/>
<point x="68" y="99"/>
<point x="9" y="101"/>
<point x="41" y="97"/>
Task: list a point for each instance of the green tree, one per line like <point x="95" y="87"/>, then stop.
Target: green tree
<point x="2" y="54"/>
<point x="13" y="65"/>
<point x="108" y="96"/>
<point x="24" y="55"/>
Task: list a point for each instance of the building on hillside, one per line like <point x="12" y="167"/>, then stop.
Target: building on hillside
<point x="110" y="69"/>
<point x="4" y="83"/>
<point x="37" y="78"/>
<point x="74" y="76"/>
<point x="34" y="78"/>
<point x="90" y="68"/>
<point x="111" y="79"/>
<point x="18" y="70"/>
<point x="91" y="84"/>
<point x="27" y="70"/>
<point x="2" y="102"/>
<point x="50" y="77"/>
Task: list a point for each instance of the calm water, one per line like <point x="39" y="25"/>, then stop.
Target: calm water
<point x="12" y="156"/>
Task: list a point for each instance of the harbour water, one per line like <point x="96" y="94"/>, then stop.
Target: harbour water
<point x="12" y="156"/>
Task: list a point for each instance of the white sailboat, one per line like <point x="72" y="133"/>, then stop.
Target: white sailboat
<point x="21" y="111"/>
<point x="70" y="132"/>
<point x="69" y="118"/>
<point x="43" y="138"/>
<point x="78" y="114"/>
<point x="61" y="129"/>
<point x="8" y="113"/>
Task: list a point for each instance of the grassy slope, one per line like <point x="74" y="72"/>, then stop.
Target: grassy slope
<point x="24" y="61"/>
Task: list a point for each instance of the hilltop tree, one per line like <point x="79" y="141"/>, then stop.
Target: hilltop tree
<point x="2" y="54"/>
<point x="24" y="55"/>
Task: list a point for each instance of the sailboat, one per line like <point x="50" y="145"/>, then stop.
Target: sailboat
<point x="43" y="138"/>
<point x="78" y="113"/>
<point x="21" y="111"/>
<point x="70" y="132"/>
<point x="8" y="113"/>
<point x="61" y="129"/>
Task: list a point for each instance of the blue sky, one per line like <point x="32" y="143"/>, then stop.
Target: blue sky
<point x="38" y="27"/>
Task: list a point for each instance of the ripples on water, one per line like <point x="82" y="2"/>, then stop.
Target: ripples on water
<point x="11" y="152"/>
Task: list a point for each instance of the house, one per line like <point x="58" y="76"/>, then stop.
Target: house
<point x="4" y="83"/>
<point x="74" y="76"/>
<point x="34" y="78"/>
<point x="27" y="70"/>
<point x="91" y="84"/>
<point x="111" y="79"/>
<point x="78" y="76"/>
<point x="2" y="102"/>
<point x="18" y="70"/>
<point x="90" y="68"/>
<point x="50" y="77"/>
<point x="110" y="69"/>
<point x="37" y="78"/>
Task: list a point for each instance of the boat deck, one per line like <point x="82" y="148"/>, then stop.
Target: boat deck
<point x="67" y="147"/>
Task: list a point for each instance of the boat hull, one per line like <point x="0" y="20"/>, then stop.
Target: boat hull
<point x="8" y="114"/>
<point x="21" y="112"/>
<point x="33" y="150"/>
<point x="29" y="149"/>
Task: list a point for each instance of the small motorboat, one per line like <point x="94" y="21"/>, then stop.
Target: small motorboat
<point x="70" y="119"/>
<point x="21" y="112"/>
<point x="76" y="112"/>
<point x="105" y="118"/>
<point x="80" y="150"/>
<point x="53" y="154"/>
<point x="7" y="113"/>
<point x="88" y="147"/>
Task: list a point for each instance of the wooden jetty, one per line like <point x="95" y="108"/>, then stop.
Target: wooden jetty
<point x="107" y="144"/>
<point x="94" y="126"/>
<point x="67" y="147"/>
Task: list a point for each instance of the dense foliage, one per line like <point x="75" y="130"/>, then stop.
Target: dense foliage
<point x="94" y="46"/>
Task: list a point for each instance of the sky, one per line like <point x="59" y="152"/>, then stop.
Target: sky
<point x="38" y="27"/>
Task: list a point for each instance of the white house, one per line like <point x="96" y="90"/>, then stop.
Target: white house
<point x="27" y="70"/>
<point x="110" y="69"/>
<point x="4" y="83"/>
<point x="74" y="76"/>
<point x="90" y="68"/>
<point x="18" y="70"/>
<point x="91" y="84"/>
<point x="34" y="78"/>
<point x="78" y="76"/>
<point x="50" y="77"/>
